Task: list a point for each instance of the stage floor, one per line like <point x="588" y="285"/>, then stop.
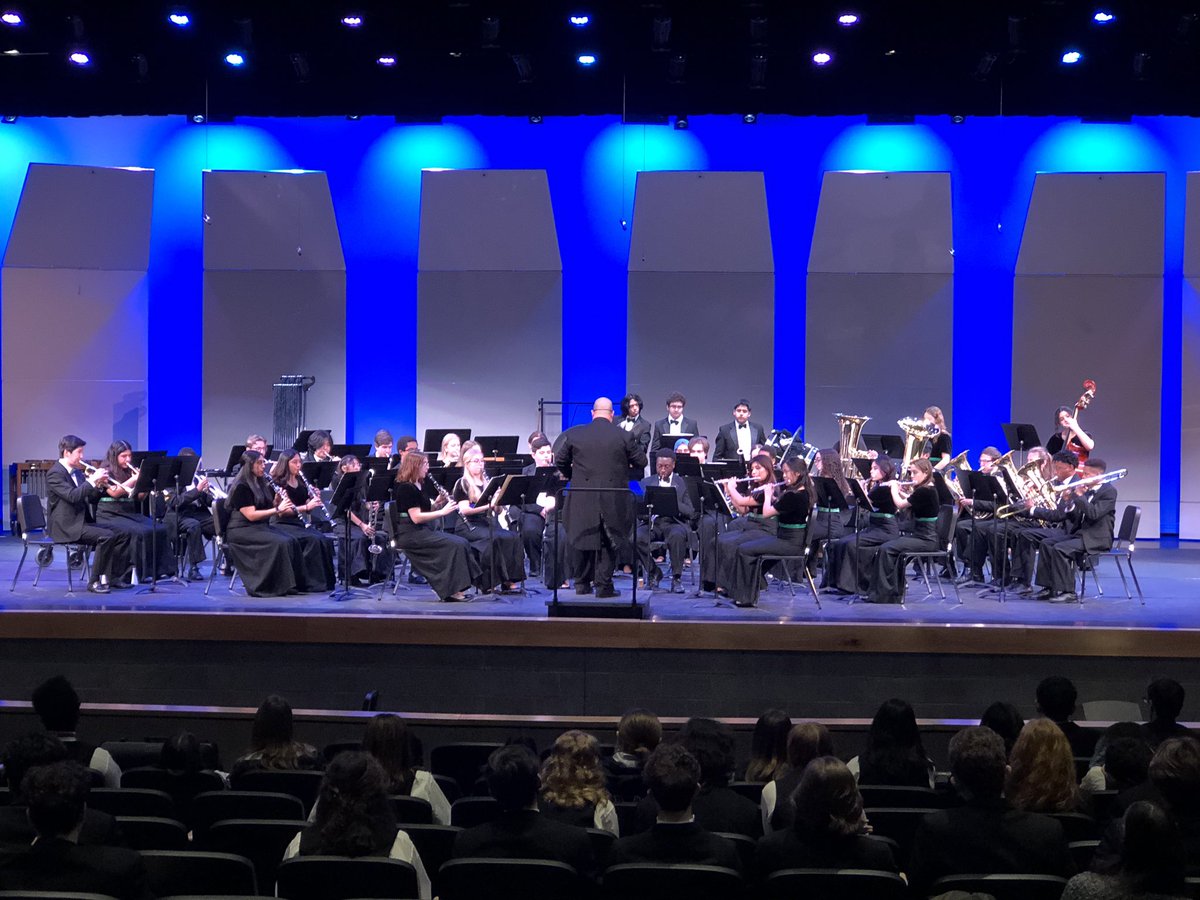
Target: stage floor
<point x="1168" y="570"/>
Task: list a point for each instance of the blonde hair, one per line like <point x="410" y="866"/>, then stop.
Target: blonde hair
<point x="473" y="490"/>
<point x="938" y="418"/>
<point x="572" y="775"/>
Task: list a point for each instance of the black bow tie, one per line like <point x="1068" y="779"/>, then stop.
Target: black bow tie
<point x="743" y="425"/>
<point x="674" y="421"/>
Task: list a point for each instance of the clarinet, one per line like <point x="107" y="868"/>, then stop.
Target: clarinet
<point x="314" y="493"/>
<point x="281" y="493"/>
<point x="443" y="494"/>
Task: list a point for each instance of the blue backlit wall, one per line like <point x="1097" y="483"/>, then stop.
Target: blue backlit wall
<point x="374" y="170"/>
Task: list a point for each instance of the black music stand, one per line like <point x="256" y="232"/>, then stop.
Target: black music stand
<point x="512" y="491"/>
<point x="377" y="464"/>
<point x="685" y="465"/>
<point x="661" y="502"/>
<point x="1020" y="436"/>
<point x="137" y="457"/>
<point x="885" y="444"/>
<point x="235" y="457"/>
<point x="362" y="451"/>
<point x="987" y="488"/>
<point x="712" y="498"/>
<point x="945" y="496"/>
<point x="434" y="437"/>
<point x="544" y="480"/>
<point x="319" y="474"/>
<point x="379" y="490"/>
<point x="157" y="473"/>
<point x="597" y="609"/>
<point x="497" y="446"/>
<point x="863" y="502"/>
<point x="829" y="496"/>
<point x="343" y="500"/>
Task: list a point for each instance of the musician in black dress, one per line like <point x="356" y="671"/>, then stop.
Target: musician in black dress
<point x="750" y="524"/>
<point x="501" y="559"/>
<point x="939" y="447"/>
<point x="1068" y="435"/>
<point x="444" y="559"/>
<point x="790" y="510"/>
<point x="267" y="558"/>
<point x="316" y="549"/>
<point x="194" y="521"/>
<point x="888" y="580"/>
<point x="149" y="542"/>
<point x="851" y="557"/>
<point x="828" y="524"/>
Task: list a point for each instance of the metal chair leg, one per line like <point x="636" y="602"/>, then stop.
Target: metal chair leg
<point x="24" y="553"/>
<point x="1137" y="584"/>
<point x="70" y="578"/>
<point x="1121" y="572"/>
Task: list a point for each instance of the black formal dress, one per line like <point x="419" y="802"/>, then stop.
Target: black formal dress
<point x="888" y="580"/>
<point x="726" y="445"/>
<point x="791" y="524"/>
<point x="444" y="559"/>
<point x="749" y="526"/>
<point x="939" y="448"/>
<point x="150" y="544"/>
<point x="674" y="532"/>
<point x="266" y="557"/>
<point x="70" y="498"/>
<point x="316" y="549"/>
<point x="851" y="556"/>
<point x="660" y="433"/>
<point x="501" y="557"/>
<point x="598" y="512"/>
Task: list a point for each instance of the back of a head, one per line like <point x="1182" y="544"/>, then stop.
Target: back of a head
<point x="56" y="704"/>
<point x="1127" y="762"/>
<point x="571" y="775"/>
<point x="806" y="741"/>
<point x="977" y="762"/>
<point x="1175" y="772"/>
<point x="638" y="733"/>
<point x="56" y="795"/>
<point x="27" y="752"/>
<point x="1152" y="854"/>
<point x="1004" y="719"/>
<point x="512" y="776"/>
<point x="272" y="724"/>
<point x="354" y="814"/>
<point x="1056" y="698"/>
<point x="1042" y="776"/>
<point x="673" y="776"/>
<point x="711" y="742"/>
<point x="1166" y="699"/>
<point x="827" y="800"/>
<point x="389" y="741"/>
<point x="894" y="725"/>
<point x="181" y="753"/>
<point x="768" y="744"/>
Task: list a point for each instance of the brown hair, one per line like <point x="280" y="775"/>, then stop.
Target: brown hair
<point x="572" y="775"/>
<point x="638" y="733"/>
<point x="1042" y="776"/>
<point x="827" y="800"/>
<point x="410" y="467"/>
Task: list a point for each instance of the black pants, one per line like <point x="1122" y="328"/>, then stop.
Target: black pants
<point x="596" y="566"/>
<point x="112" y="558"/>
<point x="1056" y="564"/>
<point x="670" y="532"/>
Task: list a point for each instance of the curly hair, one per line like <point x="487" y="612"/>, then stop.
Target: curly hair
<point x="572" y="775"/>
<point x="1042" y="776"/>
<point x="354" y="814"/>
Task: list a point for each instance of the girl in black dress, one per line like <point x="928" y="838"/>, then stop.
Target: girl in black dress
<point x="119" y="510"/>
<point x="444" y="559"/>
<point x="266" y="558"/>
<point x="827" y="524"/>
<point x="888" y="580"/>
<point x="851" y="557"/>
<point x="718" y="557"/>
<point x="790" y="510"/>
<point x="316" y="550"/>
<point x="939" y="447"/>
<point x="501" y="556"/>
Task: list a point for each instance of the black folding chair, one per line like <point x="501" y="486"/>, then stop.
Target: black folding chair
<point x="947" y="520"/>
<point x="343" y="877"/>
<point x="1122" y="549"/>
<point x="31" y="525"/>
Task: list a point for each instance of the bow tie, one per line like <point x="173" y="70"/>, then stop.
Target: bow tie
<point x="674" y="421"/>
<point x="743" y="425"/>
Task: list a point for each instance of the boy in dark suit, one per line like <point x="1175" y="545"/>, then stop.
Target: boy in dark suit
<point x="737" y="439"/>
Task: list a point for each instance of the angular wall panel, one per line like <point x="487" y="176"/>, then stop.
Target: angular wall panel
<point x="1189" y="462"/>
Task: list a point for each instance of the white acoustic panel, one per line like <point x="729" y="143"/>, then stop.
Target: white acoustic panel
<point x="270" y="221"/>
<point x="83" y="217"/>
<point x="1108" y="223"/>
<point x="487" y="220"/>
<point x="883" y="222"/>
<point x="1189" y="456"/>
<point x="1191" y="229"/>
<point x="700" y="222"/>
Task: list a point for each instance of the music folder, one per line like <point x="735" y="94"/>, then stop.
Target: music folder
<point x="662" y="501"/>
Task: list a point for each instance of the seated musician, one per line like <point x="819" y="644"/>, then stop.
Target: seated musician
<point x="316" y="572"/>
<point x="1089" y="517"/>
<point x="1047" y="526"/>
<point x="70" y="495"/>
<point x="194" y="520"/>
<point x="451" y="452"/>
<point x="737" y="439"/>
<point x="320" y="447"/>
<point x="383" y="444"/>
<point x="888" y="582"/>
<point x="367" y="529"/>
<point x="750" y="524"/>
<point x="1000" y="539"/>
<point x="851" y="557"/>
<point x="536" y="517"/>
<point x="698" y="448"/>
<point x="149" y="541"/>
<point x="407" y="444"/>
<point x="674" y="532"/>
<point x="673" y="423"/>
<point x="828" y="524"/>
<point x="788" y="505"/>
<point x="499" y="550"/>
<point x="1068" y="435"/>
<point x="969" y="519"/>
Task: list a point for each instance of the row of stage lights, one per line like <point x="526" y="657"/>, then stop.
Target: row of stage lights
<point x="237" y="59"/>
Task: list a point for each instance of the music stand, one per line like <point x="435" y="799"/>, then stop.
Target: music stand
<point x="497" y="446"/>
<point x="945" y="496"/>
<point x="864" y="470"/>
<point x="434" y="437"/>
<point x="377" y="464"/>
<point x="829" y="496"/>
<point x="236" y="452"/>
<point x="343" y="500"/>
<point x="863" y="502"/>
<point x="988" y="488"/>
<point x="157" y="473"/>
<point x="1020" y="436"/>
<point x="137" y="457"/>
<point x="362" y="451"/>
<point x="686" y="465"/>
<point x="319" y="474"/>
<point x="379" y="490"/>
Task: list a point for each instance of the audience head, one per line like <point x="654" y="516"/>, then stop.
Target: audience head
<point x="978" y="763"/>
<point x="894" y="726"/>
<point x="395" y="748"/>
<point x="1042" y="774"/>
<point x="827" y="800"/>
<point x="1175" y="772"/>
<point x="354" y="814"/>
<point x="56" y="704"/>
<point x="56" y="796"/>
<point x="1165" y="696"/>
<point x="29" y="752"/>
<point x="1152" y="857"/>
<point x="638" y="733"/>
<point x="805" y="742"/>
<point x="272" y="724"/>
<point x="1004" y="719"/>
<point x="572" y="775"/>
<point x="1056" y="698"/>
<point x="512" y="777"/>
<point x="673" y="776"/>
<point x="1127" y="761"/>
<point x="768" y="745"/>
<point x="711" y="742"/>
<point x="181" y="753"/>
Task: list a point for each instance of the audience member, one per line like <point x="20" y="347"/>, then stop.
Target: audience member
<point x="520" y="831"/>
<point x="717" y="807"/>
<point x="183" y="760"/>
<point x="22" y="756"/>
<point x="768" y="746"/>
<point x="830" y="829"/>
<point x="806" y="741"/>
<point x="1056" y="698"/>
<point x="56" y="795"/>
<point x="1149" y="867"/>
<point x="673" y="776"/>
<point x="1041" y="777"/>
<point x="1123" y="760"/>
<point x="638" y="733"/>
<point x="1165" y="697"/>
<point x="354" y="817"/>
<point x="1004" y="719"/>
<point x="985" y="835"/>
<point x="57" y="705"/>
<point x="894" y="754"/>
<point x="397" y="750"/>
<point x="272" y="742"/>
<point x="573" y="790"/>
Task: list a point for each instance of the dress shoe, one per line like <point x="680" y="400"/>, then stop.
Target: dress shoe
<point x="120" y="585"/>
<point x="456" y="597"/>
<point x="1065" y="597"/>
<point x="583" y="587"/>
<point x="414" y="578"/>
<point x="97" y="587"/>
<point x="1044" y="594"/>
<point x="743" y="604"/>
<point x="1026" y="590"/>
<point x="968" y="579"/>
<point x="676" y="585"/>
<point x="607" y="592"/>
<point x="655" y="578"/>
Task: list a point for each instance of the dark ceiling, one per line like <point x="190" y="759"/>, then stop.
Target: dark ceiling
<point x="653" y="59"/>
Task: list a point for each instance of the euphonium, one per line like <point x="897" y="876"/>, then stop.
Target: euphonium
<point x="957" y="464"/>
<point x="849" y="431"/>
<point x="916" y="433"/>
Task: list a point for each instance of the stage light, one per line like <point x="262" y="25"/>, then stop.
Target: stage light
<point x="235" y="59"/>
<point x="353" y="117"/>
<point x="586" y="59"/>
<point x="386" y="61"/>
<point x="11" y="18"/>
<point x="1103" y="17"/>
<point x="750" y="118"/>
<point x="180" y="19"/>
<point x="198" y="118"/>
<point x="681" y="123"/>
<point x="580" y="21"/>
<point x="822" y="58"/>
<point x="1071" y="57"/>
<point x="9" y="120"/>
<point x="848" y="19"/>
<point x="535" y="120"/>
<point x="79" y="58"/>
<point x="352" y="21"/>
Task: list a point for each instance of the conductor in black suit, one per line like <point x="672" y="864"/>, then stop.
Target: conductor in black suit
<point x="675" y="422"/>
<point x="737" y="439"/>
<point x="71" y="518"/>
<point x="598" y="523"/>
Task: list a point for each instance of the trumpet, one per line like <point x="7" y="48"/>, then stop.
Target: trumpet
<point x="122" y="485"/>
<point x="212" y="490"/>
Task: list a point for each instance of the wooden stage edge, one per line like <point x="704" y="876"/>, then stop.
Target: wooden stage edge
<point x="478" y="631"/>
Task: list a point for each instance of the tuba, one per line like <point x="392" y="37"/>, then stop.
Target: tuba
<point x="849" y="431"/>
<point x="917" y="433"/>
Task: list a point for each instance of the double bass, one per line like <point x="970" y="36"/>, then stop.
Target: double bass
<point x="1084" y="401"/>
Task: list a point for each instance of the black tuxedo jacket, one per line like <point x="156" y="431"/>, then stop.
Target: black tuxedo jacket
<point x="99" y="828"/>
<point x="1092" y="518"/>
<point x="597" y="455"/>
<point x="726" y="446"/>
<point x="527" y="834"/>
<point x="686" y="843"/>
<point x="69" y="504"/>
<point x="682" y="497"/>
<point x="59" y="865"/>
<point x="715" y="808"/>
<point x="640" y="431"/>
<point x="661" y="432"/>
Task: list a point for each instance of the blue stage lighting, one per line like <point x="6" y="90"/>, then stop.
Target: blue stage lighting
<point x="586" y="59"/>
<point x="180" y="19"/>
<point x="580" y="21"/>
<point x="822" y="58"/>
<point x="79" y="58"/>
<point x="386" y="60"/>
<point x="11" y="18"/>
<point x="235" y="59"/>
<point x="1071" y="57"/>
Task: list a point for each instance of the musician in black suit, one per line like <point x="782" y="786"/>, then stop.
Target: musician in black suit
<point x="71" y="517"/>
<point x="737" y="439"/>
<point x="674" y="532"/>
<point x="675" y="422"/>
<point x="598" y="523"/>
<point x="194" y="521"/>
<point x="633" y="421"/>
<point x="538" y="521"/>
<point x="1089" y="523"/>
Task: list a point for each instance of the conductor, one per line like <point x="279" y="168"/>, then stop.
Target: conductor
<point x="598" y="522"/>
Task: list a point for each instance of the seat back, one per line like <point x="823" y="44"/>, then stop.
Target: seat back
<point x="132" y="802"/>
<point x="449" y="787"/>
<point x="52" y="895"/>
<point x="134" y="754"/>
<point x="468" y="812"/>
<point x="1003" y="887"/>
<point x="30" y="516"/>
<point x="412" y="810"/>
<point x="464" y="762"/>
<point x="744" y="845"/>
<point x="153" y="833"/>
<point x="198" y="872"/>
<point x="302" y="785"/>
<point x="834" y="884"/>
<point x="508" y="879"/>
<point x="435" y="845"/>
<point x="262" y="841"/>
<point x="1077" y="826"/>
<point x="602" y="842"/>
<point x="651" y="881"/>
<point x="946" y="523"/>
<point x="898" y="823"/>
<point x="1131" y="521"/>
<point x="751" y="790"/>
<point x="888" y="795"/>
<point x="342" y="877"/>
<point x="1082" y="853"/>
<point x="1103" y="804"/>
<point x="213" y="806"/>
<point x="331" y="750"/>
